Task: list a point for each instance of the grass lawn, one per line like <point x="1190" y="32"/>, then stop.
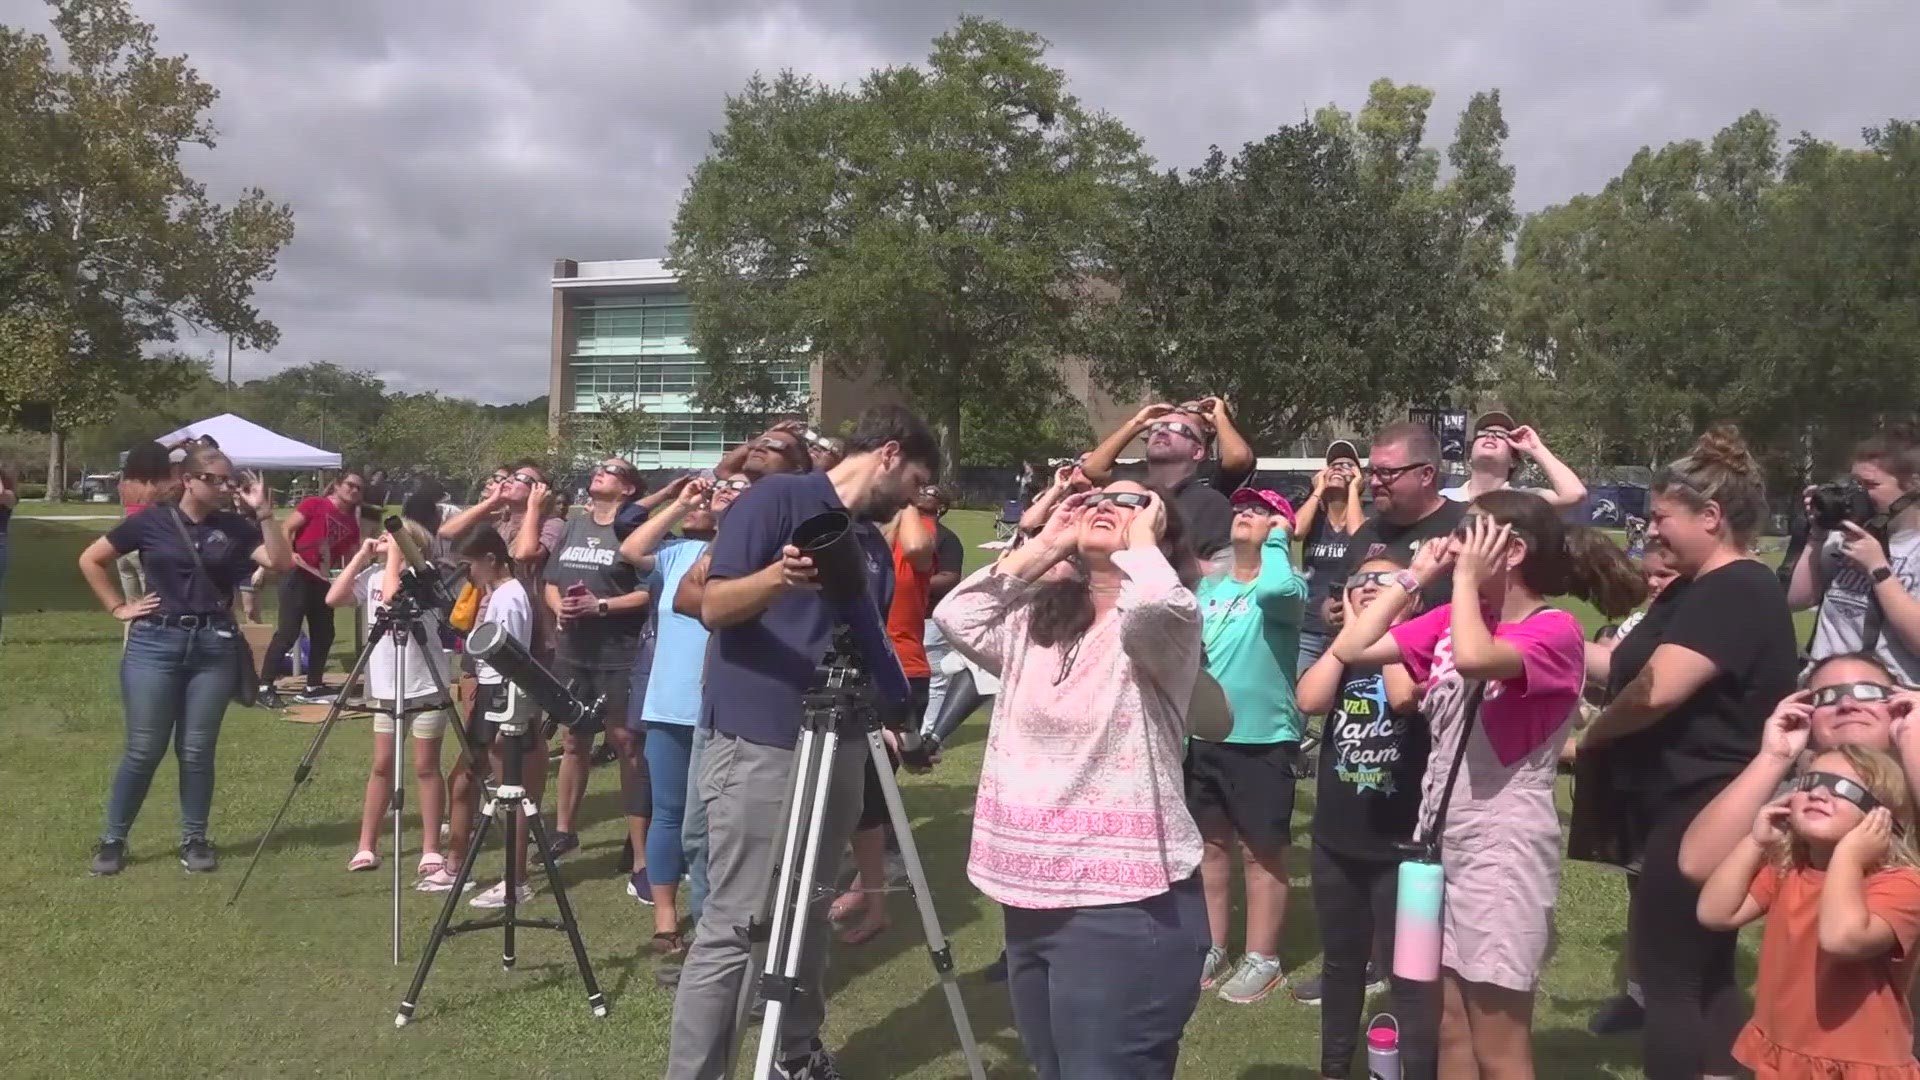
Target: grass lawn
<point x="150" y="973"/>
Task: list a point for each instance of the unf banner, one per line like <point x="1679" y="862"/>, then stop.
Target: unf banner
<point x="1447" y="425"/>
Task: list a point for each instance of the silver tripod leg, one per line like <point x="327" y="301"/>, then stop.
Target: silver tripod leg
<point x="937" y="948"/>
<point x="813" y="787"/>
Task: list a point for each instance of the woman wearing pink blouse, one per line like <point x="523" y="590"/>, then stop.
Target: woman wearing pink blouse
<point x="1081" y="830"/>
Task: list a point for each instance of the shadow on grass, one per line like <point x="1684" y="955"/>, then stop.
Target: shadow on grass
<point x="920" y="1032"/>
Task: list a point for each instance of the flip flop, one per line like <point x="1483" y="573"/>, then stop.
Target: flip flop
<point x="364" y="860"/>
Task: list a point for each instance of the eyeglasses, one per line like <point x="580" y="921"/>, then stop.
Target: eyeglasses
<point x="1134" y="499"/>
<point x="1841" y="788"/>
<point x="1858" y="691"/>
<point x="1371" y="577"/>
<point x="1387" y="475"/>
<point x="216" y="479"/>
<point x="1175" y="427"/>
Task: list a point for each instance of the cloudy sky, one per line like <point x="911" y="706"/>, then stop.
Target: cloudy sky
<point x="439" y="154"/>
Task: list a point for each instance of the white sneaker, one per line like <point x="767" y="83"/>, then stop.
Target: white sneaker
<point x="496" y="897"/>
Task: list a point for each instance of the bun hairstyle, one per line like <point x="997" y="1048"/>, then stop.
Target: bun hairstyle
<point x="1563" y="559"/>
<point x="1883" y="778"/>
<point x="1719" y="470"/>
<point x="1063" y="608"/>
<point x="1897" y="450"/>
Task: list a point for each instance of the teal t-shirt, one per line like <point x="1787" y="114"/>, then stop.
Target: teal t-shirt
<point x="1251" y="630"/>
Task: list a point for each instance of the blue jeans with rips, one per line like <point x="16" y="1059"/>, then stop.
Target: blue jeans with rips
<point x="176" y="683"/>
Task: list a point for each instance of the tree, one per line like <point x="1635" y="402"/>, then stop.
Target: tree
<point x="1036" y="428"/>
<point x="324" y="404"/>
<point x="932" y="229"/>
<point x="1317" y="275"/>
<point x="450" y="439"/>
<point x="106" y="244"/>
<point x="619" y="428"/>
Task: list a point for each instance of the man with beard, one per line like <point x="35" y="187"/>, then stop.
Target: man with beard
<point x="1408" y="510"/>
<point x="1177" y="441"/>
<point x="770" y="630"/>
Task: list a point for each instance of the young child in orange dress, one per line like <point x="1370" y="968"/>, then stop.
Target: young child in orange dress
<point x="1833" y="869"/>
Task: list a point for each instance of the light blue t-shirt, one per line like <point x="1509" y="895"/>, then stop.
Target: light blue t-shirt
<point x="680" y="648"/>
<point x="1251" y="630"/>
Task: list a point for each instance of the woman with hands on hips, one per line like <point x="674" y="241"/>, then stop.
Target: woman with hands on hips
<point x="180" y="667"/>
<point x="1081" y="830"/>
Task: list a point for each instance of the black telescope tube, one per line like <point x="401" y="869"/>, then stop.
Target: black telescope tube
<point x="828" y="540"/>
<point x="491" y="643"/>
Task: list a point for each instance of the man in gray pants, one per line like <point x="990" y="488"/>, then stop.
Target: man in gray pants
<point x="770" y="631"/>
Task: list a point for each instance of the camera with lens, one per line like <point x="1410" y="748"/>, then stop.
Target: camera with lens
<point x="1831" y="505"/>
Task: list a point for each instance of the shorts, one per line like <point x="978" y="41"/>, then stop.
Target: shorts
<point x="496" y="702"/>
<point x="428" y="719"/>
<point x="588" y="683"/>
<point x="873" y="801"/>
<point x="1250" y="786"/>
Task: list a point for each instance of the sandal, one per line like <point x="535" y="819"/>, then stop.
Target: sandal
<point x="430" y="863"/>
<point x="668" y="944"/>
<point x="364" y="860"/>
<point x="846" y="906"/>
<point x="864" y="933"/>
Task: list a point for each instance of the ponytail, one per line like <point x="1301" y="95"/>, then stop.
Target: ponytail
<point x="1601" y="574"/>
<point x="1566" y="560"/>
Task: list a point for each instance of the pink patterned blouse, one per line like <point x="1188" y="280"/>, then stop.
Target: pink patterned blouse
<point x="1081" y="798"/>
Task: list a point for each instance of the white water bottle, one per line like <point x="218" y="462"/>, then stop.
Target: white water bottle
<point x="1383" y="1048"/>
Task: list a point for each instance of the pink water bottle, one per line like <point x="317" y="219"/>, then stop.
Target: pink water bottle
<point x="1383" y="1048"/>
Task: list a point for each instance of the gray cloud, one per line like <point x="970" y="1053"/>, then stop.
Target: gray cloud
<point x="439" y="154"/>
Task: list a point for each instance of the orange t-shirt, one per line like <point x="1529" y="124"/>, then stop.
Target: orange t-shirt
<point x="907" y="619"/>
<point x="1809" y="1004"/>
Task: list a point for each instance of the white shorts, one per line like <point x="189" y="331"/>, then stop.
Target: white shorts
<point x="428" y="724"/>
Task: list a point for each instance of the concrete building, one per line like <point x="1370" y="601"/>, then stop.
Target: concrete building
<point x="620" y="330"/>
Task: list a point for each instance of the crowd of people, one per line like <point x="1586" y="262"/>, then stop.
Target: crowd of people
<point x="1733" y="774"/>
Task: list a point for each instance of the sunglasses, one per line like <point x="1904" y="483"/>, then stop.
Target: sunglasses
<point x="737" y="483"/>
<point x="1493" y="433"/>
<point x="1175" y="427"/>
<point x="1858" y="691"/>
<point x="1255" y="508"/>
<point x="1840" y="787"/>
<point x="523" y="478"/>
<point x="1135" y="499"/>
<point x="1388" y="474"/>
<point x="1371" y="577"/>
<point x="621" y="471"/>
<point x="216" y="480"/>
<point x="778" y="446"/>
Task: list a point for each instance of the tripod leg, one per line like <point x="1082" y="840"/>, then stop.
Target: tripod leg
<point x="305" y="768"/>
<point x="786" y="955"/>
<point x="397" y="798"/>
<point x="446" y="916"/>
<point x="537" y="836"/>
<point x="937" y="947"/>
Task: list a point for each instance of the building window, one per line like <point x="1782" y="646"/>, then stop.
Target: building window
<point x="614" y="325"/>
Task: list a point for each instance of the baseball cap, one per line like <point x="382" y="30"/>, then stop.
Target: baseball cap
<point x="1492" y="418"/>
<point x="1342" y="448"/>
<point x="1272" y="500"/>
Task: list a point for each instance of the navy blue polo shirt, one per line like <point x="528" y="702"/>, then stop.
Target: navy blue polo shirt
<point x="756" y="671"/>
<point x="226" y="541"/>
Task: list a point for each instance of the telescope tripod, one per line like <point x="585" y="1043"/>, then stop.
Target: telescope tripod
<point x="829" y="716"/>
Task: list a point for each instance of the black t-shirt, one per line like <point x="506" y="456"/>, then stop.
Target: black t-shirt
<point x="1202" y="498"/>
<point x="1371" y="761"/>
<point x="1323" y="556"/>
<point x="949" y="554"/>
<point x="589" y="554"/>
<point x="1737" y="617"/>
<point x="225" y="540"/>
<point x="1379" y="536"/>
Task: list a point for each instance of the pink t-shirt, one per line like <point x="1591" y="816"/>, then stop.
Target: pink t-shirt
<point x="1520" y="713"/>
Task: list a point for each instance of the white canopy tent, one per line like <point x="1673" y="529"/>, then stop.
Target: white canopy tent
<point x="250" y="446"/>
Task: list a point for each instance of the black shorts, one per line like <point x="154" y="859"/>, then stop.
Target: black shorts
<point x="873" y="801"/>
<point x="493" y="702"/>
<point x="590" y="682"/>
<point x="1250" y="787"/>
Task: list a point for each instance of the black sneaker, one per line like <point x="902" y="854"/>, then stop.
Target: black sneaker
<point x="1310" y="990"/>
<point x="269" y="698"/>
<point x="816" y="1065"/>
<point x="563" y="842"/>
<point x="317" y="695"/>
<point x="667" y="976"/>
<point x="109" y="858"/>
<point x="1617" y="1016"/>
<point x="605" y="754"/>
<point x="198" y="856"/>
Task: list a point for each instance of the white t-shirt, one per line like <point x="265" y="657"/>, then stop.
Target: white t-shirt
<point x="380" y="665"/>
<point x="1843" y="607"/>
<point x="507" y="605"/>
<point x="1460" y="494"/>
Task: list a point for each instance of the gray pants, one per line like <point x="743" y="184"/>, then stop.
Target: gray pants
<point x="745" y="787"/>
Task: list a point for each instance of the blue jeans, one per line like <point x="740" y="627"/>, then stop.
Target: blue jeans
<point x="937" y="648"/>
<point x="1313" y="643"/>
<point x="176" y="684"/>
<point x="669" y="748"/>
<point x="693" y="830"/>
<point x="1083" y="1006"/>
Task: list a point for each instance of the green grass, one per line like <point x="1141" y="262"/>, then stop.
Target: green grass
<point x="150" y="973"/>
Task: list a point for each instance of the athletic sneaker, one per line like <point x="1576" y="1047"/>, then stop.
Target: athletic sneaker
<point x="639" y="887"/>
<point x="269" y="698"/>
<point x="198" y="856"/>
<point x="496" y="897"/>
<point x="1310" y="990"/>
<point x="109" y="858"/>
<point x="817" y="1065"/>
<point x="1617" y="1016"/>
<point x="316" y="695"/>
<point x="562" y="842"/>
<point x="1255" y="978"/>
<point x="1216" y="966"/>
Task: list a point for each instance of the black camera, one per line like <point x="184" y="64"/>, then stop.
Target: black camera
<point x="1832" y="505"/>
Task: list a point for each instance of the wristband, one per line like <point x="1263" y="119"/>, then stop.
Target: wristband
<point x="1407" y="581"/>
